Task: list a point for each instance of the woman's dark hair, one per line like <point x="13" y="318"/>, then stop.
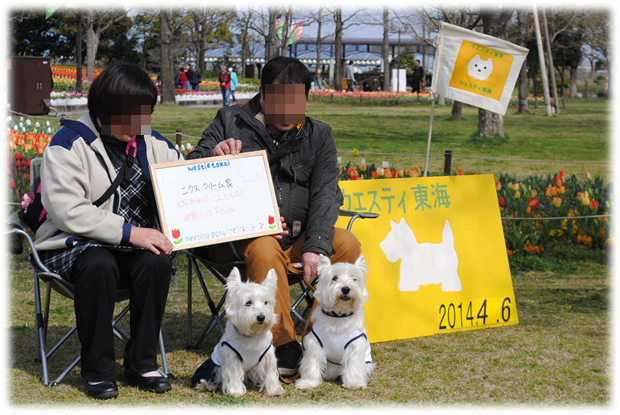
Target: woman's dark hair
<point x="284" y="70"/>
<point x="115" y="85"/>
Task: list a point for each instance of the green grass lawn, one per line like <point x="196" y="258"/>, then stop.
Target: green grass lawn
<point x="580" y="133"/>
<point x="559" y="354"/>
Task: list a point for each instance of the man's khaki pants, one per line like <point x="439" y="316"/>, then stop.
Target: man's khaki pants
<point x="264" y="253"/>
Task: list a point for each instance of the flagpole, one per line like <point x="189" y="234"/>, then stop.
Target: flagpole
<point x="541" y="57"/>
<point x="430" y="132"/>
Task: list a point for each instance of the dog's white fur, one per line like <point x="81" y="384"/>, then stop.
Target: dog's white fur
<point x="245" y="302"/>
<point x="314" y="366"/>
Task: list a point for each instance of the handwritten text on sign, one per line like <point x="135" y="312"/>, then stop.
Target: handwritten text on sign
<point x="215" y="200"/>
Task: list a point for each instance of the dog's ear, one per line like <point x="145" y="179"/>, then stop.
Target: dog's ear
<point x="234" y="281"/>
<point x="271" y="281"/>
<point x="361" y="263"/>
<point x="323" y="263"/>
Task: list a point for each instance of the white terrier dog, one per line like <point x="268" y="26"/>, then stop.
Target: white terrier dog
<point x="245" y="353"/>
<point x="338" y="344"/>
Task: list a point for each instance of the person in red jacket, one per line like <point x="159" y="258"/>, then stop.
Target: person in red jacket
<point x="182" y="81"/>
<point x="225" y="85"/>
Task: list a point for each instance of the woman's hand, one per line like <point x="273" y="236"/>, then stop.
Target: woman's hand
<point x="226" y="147"/>
<point x="151" y="239"/>
<point x="284" y="231"/>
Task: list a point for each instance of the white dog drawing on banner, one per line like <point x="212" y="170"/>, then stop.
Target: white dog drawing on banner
<point x="422" y="263"/>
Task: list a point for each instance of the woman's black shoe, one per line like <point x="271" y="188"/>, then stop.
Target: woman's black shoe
<point x="103" y="390"/>
<point x="149" y="384"/>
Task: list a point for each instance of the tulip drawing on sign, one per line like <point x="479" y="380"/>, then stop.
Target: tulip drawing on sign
<point x="272" y="222"/>
<point x="176" y="236"/>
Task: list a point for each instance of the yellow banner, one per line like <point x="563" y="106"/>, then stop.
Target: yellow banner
<point x="436" y="255"/>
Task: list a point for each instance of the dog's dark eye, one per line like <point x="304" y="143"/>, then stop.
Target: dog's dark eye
<point x="249" y="303"/>
<point x="335" y="278"/>
<point x="265" y="302"/>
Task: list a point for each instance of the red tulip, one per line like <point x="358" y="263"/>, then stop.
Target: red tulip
<point x="498" y="186"/>
<point x="594" y="204"/>
<point x="12" y="183"/>
<point x="558" y="181"/>
<point x="176" y="234"/>
<point x="534" y="203"/>
<point x="502" y="202"/>
<point x="271" y="220"/>
<point x="461" y="173"/>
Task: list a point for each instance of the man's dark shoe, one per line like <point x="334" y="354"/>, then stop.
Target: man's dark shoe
<point x="288" y="356"/>
<point x="103" y="390"/>
<point x="150" y="384"/>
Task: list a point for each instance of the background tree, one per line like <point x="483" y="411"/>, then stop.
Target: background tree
<point x="567" y="55"/>
<point x="341" y="24"/>
<point x="209" y="28"/>
<point x="597" y="47"/>
<point x="146" y="31"/>
<point x="116" y="44"/>
<point x="32" y="33"/>
<point x="494" y="21"/>
<point x="322" y="18"/>
<point x="97" y="21"/>
<point x="167" y="63"/>
<point x="416" y="21"/>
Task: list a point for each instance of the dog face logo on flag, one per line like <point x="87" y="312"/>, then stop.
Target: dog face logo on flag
<point x="476" y="69"/>
<point x="481" y="70"/>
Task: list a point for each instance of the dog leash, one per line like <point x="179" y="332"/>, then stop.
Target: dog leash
<point x="303" y="334"/>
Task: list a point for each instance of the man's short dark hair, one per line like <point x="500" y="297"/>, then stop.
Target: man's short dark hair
<point x="121" y="79"/>
<point x="417" y="60"/>
<point x="351" y="62"/>
<point x="285" y="70"/>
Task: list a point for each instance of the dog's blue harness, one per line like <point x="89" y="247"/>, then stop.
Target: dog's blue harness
<point x="248" y="358"/>
<point x="335" y="344"/>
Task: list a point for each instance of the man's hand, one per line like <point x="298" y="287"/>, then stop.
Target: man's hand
<point x="309" y="260"/>
<point x="226" y="147"/>
<point x="151" y="239"/>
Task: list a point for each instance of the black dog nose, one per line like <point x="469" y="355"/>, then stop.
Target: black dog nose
<point x="260" y="318"/>
<point x="345" y="290"/>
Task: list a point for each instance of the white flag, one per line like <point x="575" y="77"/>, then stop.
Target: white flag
<point x="476" y="69"/>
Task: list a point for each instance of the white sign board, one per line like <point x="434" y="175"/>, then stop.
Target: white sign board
<point x="216" y="199"/>
<point x="399" y="80"/>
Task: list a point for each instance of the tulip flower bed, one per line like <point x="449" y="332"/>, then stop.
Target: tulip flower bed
<point x="554" y="196"/>
<point x="527" y="203"/>
<point x="25" y="141"/>
<point x="64" y="78"/>
<point x="367" y="98"/>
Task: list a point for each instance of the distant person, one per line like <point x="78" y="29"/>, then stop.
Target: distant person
<point x="188" y="72"/>
<point x="418" y="78"/>
<point x="233" y="84"/>
<point x="381" y="82"/>
<point x="225" y="86"/>
<point x="318" y="81"/>
<point x="195" y="78"/>
<point x="351" y="76"/>
<point x="182" y="79"/>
